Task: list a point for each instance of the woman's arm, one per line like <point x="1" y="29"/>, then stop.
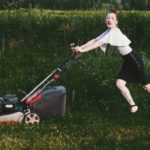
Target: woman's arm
<point x="88" y="43"/>
<point x="92" y="46"/>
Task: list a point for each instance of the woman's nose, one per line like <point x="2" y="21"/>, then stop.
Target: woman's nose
<point x="108" y="19"/>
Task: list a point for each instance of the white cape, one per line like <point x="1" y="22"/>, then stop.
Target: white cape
<point x="114" y="37"/>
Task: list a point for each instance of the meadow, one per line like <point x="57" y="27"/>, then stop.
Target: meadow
<point x="34" y="42"/>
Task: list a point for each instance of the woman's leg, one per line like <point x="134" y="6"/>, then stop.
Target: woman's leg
<point x="121" y="85"/>
<point x="147" y="88"/>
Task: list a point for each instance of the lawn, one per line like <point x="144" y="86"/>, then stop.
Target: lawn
<point x="87" y="128"/>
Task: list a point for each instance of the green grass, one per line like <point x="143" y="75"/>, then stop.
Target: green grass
<point x="82" y="129"/>
<point x="97" y="116"/>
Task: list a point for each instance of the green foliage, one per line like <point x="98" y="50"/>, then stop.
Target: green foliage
<point x="24" y="28"/>
<point x="34" y="42"/>
<point x="136" y="4"/>
<point x="76" y="4"/>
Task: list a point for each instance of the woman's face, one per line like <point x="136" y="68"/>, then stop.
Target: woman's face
<point x="111" y="20"/>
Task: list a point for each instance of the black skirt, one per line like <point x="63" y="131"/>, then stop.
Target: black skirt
<point x="133" y="69"/>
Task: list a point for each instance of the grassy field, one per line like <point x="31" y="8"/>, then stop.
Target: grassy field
<point x="97" y="116"/>
<point x="101" y="122"/>
<point x="86" y="129"/>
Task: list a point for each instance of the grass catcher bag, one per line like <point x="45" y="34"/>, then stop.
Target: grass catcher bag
<point x="49" y="102"/>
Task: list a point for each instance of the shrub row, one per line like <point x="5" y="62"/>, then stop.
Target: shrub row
<point x="45" y="29"/>
<point x="76" y="4"/>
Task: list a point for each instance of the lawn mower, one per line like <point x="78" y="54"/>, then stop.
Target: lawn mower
<point x="42" y="102"/>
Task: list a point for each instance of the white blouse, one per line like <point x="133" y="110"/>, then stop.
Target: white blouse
<point x="116" y="38"/>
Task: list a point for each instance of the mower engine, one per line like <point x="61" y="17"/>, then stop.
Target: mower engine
<point x="8" y="104"/>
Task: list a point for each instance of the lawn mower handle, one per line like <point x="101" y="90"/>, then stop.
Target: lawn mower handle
<point x="75" y="54"/>
<point x="54" y="74"/>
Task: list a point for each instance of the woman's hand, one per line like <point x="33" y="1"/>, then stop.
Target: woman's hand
<point x="75" y="53"/>
<point x="78" y="49"/>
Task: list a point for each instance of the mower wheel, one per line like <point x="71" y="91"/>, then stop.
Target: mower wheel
<point x="31" y="118"/>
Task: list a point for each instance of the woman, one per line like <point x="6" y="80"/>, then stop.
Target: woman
<point x="132" y="68"/>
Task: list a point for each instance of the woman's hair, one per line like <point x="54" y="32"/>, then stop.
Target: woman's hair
<point x="114" y="11"/>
